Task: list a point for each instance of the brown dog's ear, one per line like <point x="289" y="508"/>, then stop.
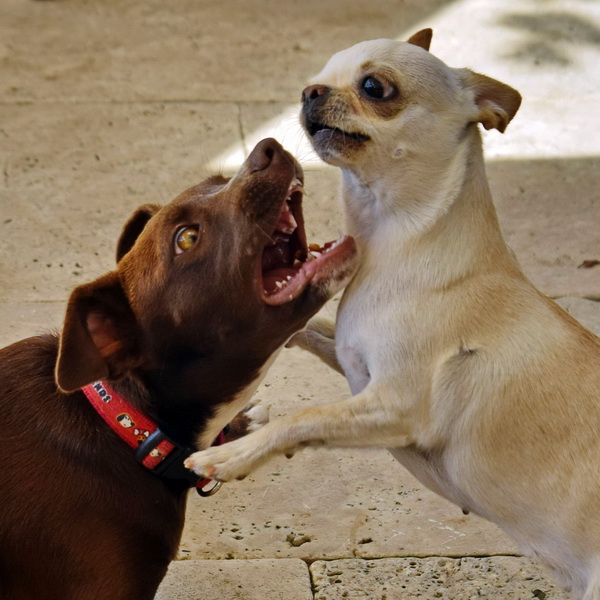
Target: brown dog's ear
<point x="421" y="38"/>
<point x="134" y="226"/>
<point x="498" y="103"/>
<point x="99" y="337"/>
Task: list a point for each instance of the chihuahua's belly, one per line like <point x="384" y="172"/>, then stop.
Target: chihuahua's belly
<point x="430" y="471"/>
<point x="371" y="335"/>
<point x="355" y="368"/>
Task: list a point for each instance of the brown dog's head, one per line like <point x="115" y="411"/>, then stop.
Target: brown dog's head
<point x="382" y="100"/>
<point x="209" y="285"/>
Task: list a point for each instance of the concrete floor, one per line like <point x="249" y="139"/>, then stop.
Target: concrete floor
<point x="109" y="104"/>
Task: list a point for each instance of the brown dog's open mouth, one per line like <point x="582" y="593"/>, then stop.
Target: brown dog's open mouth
<point x="288" y="264"/>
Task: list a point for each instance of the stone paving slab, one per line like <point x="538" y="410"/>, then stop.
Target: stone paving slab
<point x="143" y="147"/>
<point x="453" y="579"/>
<point x="552" y="239"/>
<point x="553" y="228"/>
<point x="549" y="211"/>
<point x="587" y="312"/>
<point x="236" y="580"/>
<point x="343" y="503"/>
<point x="150" y="50"/>
<point x="73" y="175"/>
<point x="21" y="319"/>
<point x="543" y="50"/>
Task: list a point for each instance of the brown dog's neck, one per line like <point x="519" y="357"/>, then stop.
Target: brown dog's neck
<point x="181" y="396"/>
<point x="179" y="416"/>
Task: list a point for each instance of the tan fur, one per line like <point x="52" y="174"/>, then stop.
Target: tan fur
<point x="481" y="386"/>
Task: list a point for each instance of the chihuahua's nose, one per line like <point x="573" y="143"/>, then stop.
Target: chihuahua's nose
<point x="263" y="154"/>
<point x="314" y="91"/>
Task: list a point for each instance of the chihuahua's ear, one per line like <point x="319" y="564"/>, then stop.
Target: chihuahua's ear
<point x="99" y="337"/>
<point x="134" y="226"/>
<point x="497" y="102"/>
<point x="421" y="38"/>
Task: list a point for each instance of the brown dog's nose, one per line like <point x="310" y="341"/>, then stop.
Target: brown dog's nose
<point x="263" y="154"/>
<point x="314" y="91"/>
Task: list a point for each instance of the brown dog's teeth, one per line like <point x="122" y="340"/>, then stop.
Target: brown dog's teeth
<point x="296" y="185"/>
<point x="286" y="223"/>
<point x="281" y="284"/>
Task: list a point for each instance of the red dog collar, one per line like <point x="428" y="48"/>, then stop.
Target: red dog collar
<point x="153" y="448"/>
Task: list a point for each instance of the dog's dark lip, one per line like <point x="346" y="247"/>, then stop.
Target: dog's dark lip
<point x="287" y="266"/>
<point x="286" y="243"/>
<point x="314" y="127"/>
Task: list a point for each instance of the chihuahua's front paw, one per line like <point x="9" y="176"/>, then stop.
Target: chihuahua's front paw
<point x="299" y="340"/>
<point x="257" y="415"/>
<point x="253" y="417"/>
<point x="230" y="461"/>
<point x="317" y="330"/>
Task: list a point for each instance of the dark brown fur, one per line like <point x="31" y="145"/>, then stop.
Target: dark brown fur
<point x="179" y="336"/>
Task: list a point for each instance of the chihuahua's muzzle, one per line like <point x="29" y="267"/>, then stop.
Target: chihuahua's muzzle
<point x="323" y="114"/>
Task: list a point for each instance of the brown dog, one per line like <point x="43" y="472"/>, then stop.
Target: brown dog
<point x="206" y="290"/>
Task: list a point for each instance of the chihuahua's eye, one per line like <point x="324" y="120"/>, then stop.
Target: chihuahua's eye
<point x="185" y="238"/>
<point x="373" y="88"/>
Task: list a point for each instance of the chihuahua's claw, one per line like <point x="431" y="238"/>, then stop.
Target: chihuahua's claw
<point x="222" y="463"/>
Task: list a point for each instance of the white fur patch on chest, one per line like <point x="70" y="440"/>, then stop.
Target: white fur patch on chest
<point x="226" y="412"/>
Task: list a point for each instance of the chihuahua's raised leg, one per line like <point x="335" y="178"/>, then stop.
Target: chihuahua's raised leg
<point x="368" y="419"/>
<point x="319" y="339"/>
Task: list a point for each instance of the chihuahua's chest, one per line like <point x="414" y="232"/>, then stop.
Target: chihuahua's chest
<point x="378" y="341"/>
<point x="375" y="325"/>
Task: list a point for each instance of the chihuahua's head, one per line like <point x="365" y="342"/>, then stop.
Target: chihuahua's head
<point x="383" y="100"/>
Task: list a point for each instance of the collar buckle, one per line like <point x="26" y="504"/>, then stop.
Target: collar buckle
<point x="152" y="447"/>
<point x="171" y="466"/>
<point x="208" y="492"/>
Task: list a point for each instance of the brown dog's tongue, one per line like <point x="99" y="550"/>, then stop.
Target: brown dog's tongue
<point x="277" y="255"/>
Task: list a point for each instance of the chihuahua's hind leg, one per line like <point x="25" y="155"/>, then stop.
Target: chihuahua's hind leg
<point x="364" y="420"/>
<point x="319" y="339"/>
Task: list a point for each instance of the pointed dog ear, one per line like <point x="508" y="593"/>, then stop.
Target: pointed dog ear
<point x="497" y="102"/>
<point x="134" y="226"/>
<point x="421" y="38"/>
<point x="100" y="335"/>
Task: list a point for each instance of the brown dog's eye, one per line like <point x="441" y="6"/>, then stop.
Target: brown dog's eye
<point x="185" y="238"/>
<point x="373" y="88"/>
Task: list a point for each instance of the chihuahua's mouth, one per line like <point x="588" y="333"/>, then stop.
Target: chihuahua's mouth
<point x="288" y="263"/>
<point x="315" y="127"/>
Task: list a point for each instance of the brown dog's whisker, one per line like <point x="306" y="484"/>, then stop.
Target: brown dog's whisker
<point x="155" y="359"/>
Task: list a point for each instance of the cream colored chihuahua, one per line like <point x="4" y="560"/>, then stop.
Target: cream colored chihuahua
<point x="485" y="389"/>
